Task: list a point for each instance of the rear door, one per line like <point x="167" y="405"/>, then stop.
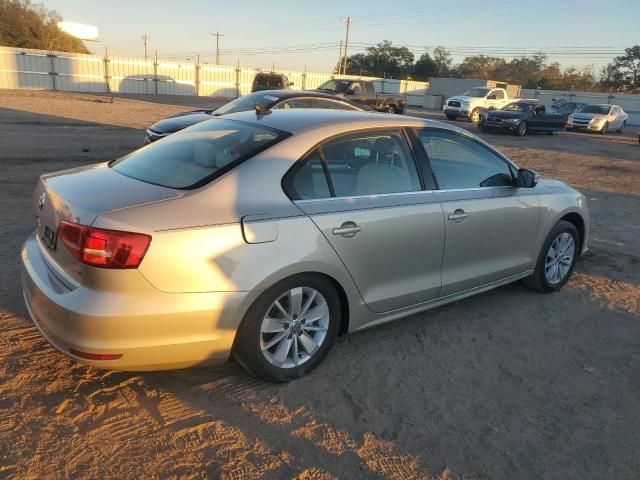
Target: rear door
<point x="364" y="193"/>
<point x="490" y="225"/>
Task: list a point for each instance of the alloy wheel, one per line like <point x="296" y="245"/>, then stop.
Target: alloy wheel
<point x="559" y="258"/>
<point x="294" y="327"/>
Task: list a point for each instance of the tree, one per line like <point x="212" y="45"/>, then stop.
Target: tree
<point x="443" y="61"/>
<point x="382" y="60"/>
<point x="25" y="25"/>
<point x="425" y="67"/>
<point x="525" y="71"/>
<point x="611" y="78"/>
<point x="479" y="66"/>
<point x="628" y="66"/>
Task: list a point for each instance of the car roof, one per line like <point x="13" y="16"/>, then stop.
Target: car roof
<point x="281" y="94"/>
<point x="297" y="120"/>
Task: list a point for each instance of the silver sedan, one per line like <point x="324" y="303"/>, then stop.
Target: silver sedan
<point x="265" y="236"/>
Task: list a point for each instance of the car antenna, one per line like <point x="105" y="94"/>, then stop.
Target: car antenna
<point x="261" y="110"/>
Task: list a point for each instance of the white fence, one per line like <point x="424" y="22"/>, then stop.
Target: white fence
<point x="39" y="69"/>
<point x="629" y="103"/>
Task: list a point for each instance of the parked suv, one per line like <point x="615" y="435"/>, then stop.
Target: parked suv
<point x="270" y="81"/>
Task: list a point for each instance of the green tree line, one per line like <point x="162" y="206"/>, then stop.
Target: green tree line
<point x="386" y="59"/>
<point x="27" y="25"/>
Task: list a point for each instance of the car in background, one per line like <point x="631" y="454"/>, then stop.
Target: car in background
<point x="270" y="81"/>
<point x="474" y="101"/>
<point x="523" y="116"/>
<point x="568" y="107"/>
<point x="264" y="237"/>
<point x="600" y="118"/>
<point x="263" y="100"/>
<point x="364" y="93"/>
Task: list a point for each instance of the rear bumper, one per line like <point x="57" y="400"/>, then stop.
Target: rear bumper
<point x="150" y="329"/>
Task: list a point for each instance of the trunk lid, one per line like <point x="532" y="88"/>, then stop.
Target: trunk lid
<point x="79" y="195"/>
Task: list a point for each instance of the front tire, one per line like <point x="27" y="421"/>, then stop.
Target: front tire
<point x="521" y="129"/>
<point x="557" y="259"/>
<point x="621" y="129"/>
<point x="289" y="329"/>
<point x="604" y="129"/>
<point x="450" y="117"/>
<point x="475" y="115"/>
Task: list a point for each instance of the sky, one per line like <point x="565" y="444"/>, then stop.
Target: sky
<point x="292" y="35"/>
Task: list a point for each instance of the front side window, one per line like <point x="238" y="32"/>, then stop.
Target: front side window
<point x="458" y="162"/>
<point x="332" y="104"/>
<point x="497" y="94"/>
<point x="198" y="154"/>
<point x="297" y="103"/>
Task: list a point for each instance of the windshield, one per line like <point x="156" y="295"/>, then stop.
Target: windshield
<point x="599" y="109"/>
<point x="246" y="103"/>
<point x="197" y="155"/>
<point x="266" y="81"/>
<point x="518" y="107"/>
<point x="338" y="86"/>
<point x="477" y="92"/>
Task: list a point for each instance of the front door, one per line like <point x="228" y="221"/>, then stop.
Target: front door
<point x="490" y="225"/>
<point x="388" y="232"/>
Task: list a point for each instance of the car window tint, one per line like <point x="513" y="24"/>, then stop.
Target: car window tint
<point x="499" y="94"/>
<point x="309" y="181"/>
<point x="370" y="163"/>
<point x="332" y="104"/>
<point x="198" y="154"/>
<point x="458" y="162"/>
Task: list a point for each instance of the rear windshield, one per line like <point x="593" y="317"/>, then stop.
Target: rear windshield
<point x="197" y="155"/>
<point x="246" y="103"/>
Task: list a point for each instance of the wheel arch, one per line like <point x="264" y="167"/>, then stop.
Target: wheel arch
<point x="577" y="221"/>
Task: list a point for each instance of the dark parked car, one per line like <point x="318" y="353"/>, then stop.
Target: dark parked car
<point x="523" y="116"/>
<point x="364" y="92"/>
<point x="264" y="100"/>
<point x="270" y="81"/>
<point x="568" y="107"/>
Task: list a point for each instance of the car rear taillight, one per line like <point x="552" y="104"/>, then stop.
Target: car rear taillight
<point x="104" y="248"/>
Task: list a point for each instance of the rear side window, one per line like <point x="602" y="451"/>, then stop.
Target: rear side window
<point x="197" y="155"/>
<point x="458" y="162"/>
<point x="366" y="163"/>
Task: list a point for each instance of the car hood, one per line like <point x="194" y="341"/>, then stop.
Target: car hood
<point x="182" y="120"/>
<point x="505" y="115"/>
<point x="464" y="98"/>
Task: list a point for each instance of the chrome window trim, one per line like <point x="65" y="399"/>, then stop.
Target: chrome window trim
<point x="374" y="195"/>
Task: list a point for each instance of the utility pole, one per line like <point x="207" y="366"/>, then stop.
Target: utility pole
<point x="145" y="38"/>
<point x="340" y="59"/>
<point x="348" y="23"/>
<point x="217" y="35"/>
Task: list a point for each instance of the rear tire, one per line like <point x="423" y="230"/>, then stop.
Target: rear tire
<point x="256" y="346"/>
<point x="544" y="278"/>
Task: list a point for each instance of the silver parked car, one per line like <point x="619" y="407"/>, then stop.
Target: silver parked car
<point x="598" y="118"/>
<point x="266" y="236"/>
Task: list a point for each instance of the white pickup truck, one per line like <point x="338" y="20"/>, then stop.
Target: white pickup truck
<point x="474" y="101"/>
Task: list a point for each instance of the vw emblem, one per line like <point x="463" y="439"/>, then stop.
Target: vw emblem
<point x="41" y="201"/>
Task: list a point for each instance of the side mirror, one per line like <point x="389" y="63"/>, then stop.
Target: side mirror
<point x="492" y="108"/>
<point x="527" y="178"/>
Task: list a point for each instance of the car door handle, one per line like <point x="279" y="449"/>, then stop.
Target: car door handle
<point x="347" y="229"/>
<point x="458" y="216"/>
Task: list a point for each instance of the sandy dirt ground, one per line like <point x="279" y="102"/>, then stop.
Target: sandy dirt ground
<point x="510" y="384"/>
